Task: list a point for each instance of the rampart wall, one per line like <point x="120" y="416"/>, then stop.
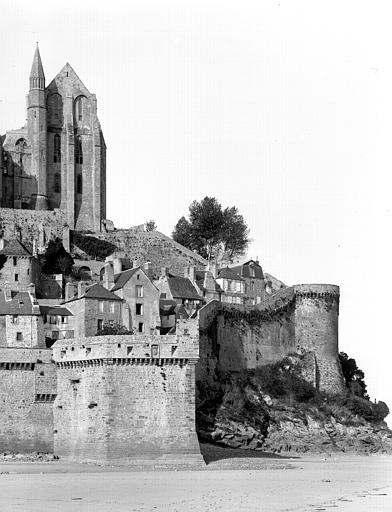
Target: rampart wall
<point x="127" y="398"/>
<point x="302" y="319"/>
<point x="27" y="393"/>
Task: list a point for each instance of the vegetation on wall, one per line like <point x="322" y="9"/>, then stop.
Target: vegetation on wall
<point x="113" y="330"/>
<point x="150" y="225"/>
<point x="94" y="247"/>
<point x="353" y="376"/>
<point x="56" y="260"/>
<point x="212" y="231"/>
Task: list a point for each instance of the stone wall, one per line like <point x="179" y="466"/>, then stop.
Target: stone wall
<point x="302" y="319"/>
<point x="29" y="225"/>
<point x="27" y="392"/>
<point x="127" y="398"/>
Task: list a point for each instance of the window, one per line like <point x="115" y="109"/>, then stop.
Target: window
<point x="79" y="108"/>
<point x="56" y="148"/>
<point x="79" y="184"/>
<point x="100" y="324"/>
<point x="154" y="351"/>
<point x="112" y="307"/>
<point x="57" y="183"/>
<point x="138" y="276"/>
<point x="101" y="306"/>
<point x="252" y="286"/>
<point x="139" y="309"/>
<point x="15" y="319"/>
<point x="139" y="290"/>
<point x="16" y="277"/>
<point x="64" y="320"/>
<point x="19" y="336"/>
<point x="78" y="150"/>
<point x="15" y="261"/>
<point x="141" y="327"/>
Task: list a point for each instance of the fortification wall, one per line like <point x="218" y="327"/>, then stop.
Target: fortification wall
<point x="153" y="246"/>
<point x="40" y="225"/>
<point x="127" y="398"/>
<point x="27" y="393"/>
<point x="302" y="319"/>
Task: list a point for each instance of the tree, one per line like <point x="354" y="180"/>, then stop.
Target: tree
<point x="113" y="330"/>
<point x="150" y="225"/>
<point x="56" y="260"/>
<point x="212" y="231"/>
<point x="354" y="377"/>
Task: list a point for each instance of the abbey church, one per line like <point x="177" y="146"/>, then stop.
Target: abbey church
<point x="58" y="159"/>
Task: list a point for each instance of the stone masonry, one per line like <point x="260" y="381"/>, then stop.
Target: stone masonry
<point x="127" y="399"/>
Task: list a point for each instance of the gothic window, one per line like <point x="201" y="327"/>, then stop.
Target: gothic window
<point x="79" y="184"/>
<point x="57" y="148"/>
<point x="78" y="150"/>
<point x="79" y="103"/>
<point x="21" y="145"/>
<point x="57" y="183"/>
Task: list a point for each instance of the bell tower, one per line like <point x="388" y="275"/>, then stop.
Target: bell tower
<point x="37" y="126"/>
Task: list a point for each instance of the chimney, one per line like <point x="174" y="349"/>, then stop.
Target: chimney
<point x="69" y="291"/>
<point x="147" y="267"/>
<point x="135" y="264"/>
<point x="1" y="243"/>
<point x="190" y="272"/>
<point x="31" y="290"/>
<point x="81" y="288"/>
<point x="7" y="291"/>
<point x="117" y="265"/>
<point x="164" y="271"/>
<point x="108" y="276"/>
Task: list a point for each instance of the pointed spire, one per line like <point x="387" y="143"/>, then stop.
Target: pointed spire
<point x="37" y="76"/>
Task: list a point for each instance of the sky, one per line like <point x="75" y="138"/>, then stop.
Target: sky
<point x="282" y="108"/>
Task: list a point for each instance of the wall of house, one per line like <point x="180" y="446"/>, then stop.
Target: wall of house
<point x="125" y="398"/>
<point x="302" y="319"/>
<point x="29" y="327"/>
<point x="27" y="393"/>
<point x="22" y="268"/>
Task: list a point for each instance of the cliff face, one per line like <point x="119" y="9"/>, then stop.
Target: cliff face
<point x="274" y="410"/>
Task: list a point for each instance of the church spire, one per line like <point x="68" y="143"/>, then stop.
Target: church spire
<point x="37" y="76"/>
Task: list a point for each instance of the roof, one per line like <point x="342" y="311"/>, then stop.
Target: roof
<point x="228" y="273"/>
<point x="200" y="275"/>
<point x="123" y="277"/>
<point x="15" y="248"/>
<point x="37" y="70"/>
<point x="181" y="287"/>
<point x="60" y="311"/>
<point x="96" y="291"/>
<point x="243" y="269"/>
<point x="169" y="307"/>
<point x="20" y="304"/>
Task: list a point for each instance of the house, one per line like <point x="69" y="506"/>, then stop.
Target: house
<point x="180" y="289"/>
<point x="170" y="312"/>
<point x="95" y="307"/>
<point x="204" y="283"/>
<point x="18" y="266"/>
<point x="233" y="286"/>
<point x="139" y="293"/>
<point x="21" y="323"/>
<point x="58" y="323"/>
<point x="252" y="274"/>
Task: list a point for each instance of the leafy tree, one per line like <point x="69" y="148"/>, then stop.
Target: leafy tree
<point x="150" y="225"/>
<point x="56" y="260"/>
<point x="212" y="231"/>
<point x="354" y="377"/>
<point x="112" y="330"/>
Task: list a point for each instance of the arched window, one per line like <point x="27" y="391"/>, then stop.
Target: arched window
<point x="21" y="145"/>
<point x="54" y="107"/>
<point x="79" y="184"/>
<point x="78" y="150"/>
<point x="79" y="103"/>
<point x="57" y="183"/>
<point x="57" y="148"/>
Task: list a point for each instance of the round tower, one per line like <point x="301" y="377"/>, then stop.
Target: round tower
<point x="36" y="126"/>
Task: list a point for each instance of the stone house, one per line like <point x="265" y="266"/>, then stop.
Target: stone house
<point x="58" y="323"/>
<point x="19" y="266"/>
<point x="252" y="273"/>
<point x="233" y="286"/>
<point x="94" y="307"/>
<point x="205" y="283"/>
<point x="170" y="312"/>
<point x="180" y="289"/>
<point x="141" y="295"/>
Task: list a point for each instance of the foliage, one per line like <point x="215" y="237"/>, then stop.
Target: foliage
<point x="353" y="376"/>
<point x="56" y="260"/>
<point x="150" y="225"/>
<point x="93" y="247"/>
<point x="113" y="330"/>
<point x="3" y="259"/>
<point x="212" y="231"/>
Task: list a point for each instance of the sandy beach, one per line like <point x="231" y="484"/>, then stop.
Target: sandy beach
<point x="227" y="483"/>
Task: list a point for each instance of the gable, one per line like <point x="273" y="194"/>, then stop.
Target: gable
<point x="67" y="82"/>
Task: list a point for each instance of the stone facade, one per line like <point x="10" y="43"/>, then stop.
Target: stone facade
<point x="302" y="319"/>
<point x="58" y="160"/>
<point x="127" y="398"/>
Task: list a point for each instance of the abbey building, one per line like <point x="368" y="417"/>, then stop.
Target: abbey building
<point x="58" y="159"/>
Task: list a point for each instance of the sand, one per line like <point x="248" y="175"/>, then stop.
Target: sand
<point x="228" y="483"/>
